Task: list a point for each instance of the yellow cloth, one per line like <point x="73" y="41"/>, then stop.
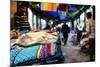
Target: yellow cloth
<point x="49" y="6"/>
<point x="35" y="37"/>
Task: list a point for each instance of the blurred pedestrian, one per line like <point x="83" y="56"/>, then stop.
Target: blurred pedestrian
<point x="65" y="30"/>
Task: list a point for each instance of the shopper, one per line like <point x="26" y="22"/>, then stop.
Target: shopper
<point x="65" y="30"/>
<point x="91" y="32"/>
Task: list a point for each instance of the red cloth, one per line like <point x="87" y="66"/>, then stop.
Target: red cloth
<point x="62" y="7"/>
<point x="48" y="50"/>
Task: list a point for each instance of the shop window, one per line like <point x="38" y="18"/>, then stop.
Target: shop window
<point x="82" y="16"/>
<point x="30" y="18"/>
<point x="43" y="23"/>
<point x="51" y="23"/>
<point x="68" y="23"/>
<point x="75" y="23"/>
<point x="34" y="22"/>
<point x="78" y="21"/>
<point x="81" y="23"/>
<point x="39" y="22"/>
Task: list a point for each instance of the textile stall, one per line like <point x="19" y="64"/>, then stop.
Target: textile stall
<point x="36" y="47"/>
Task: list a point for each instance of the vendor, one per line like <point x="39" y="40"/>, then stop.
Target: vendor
<point x="91" y="35"/>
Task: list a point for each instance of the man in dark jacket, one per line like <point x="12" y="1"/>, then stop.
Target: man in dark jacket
<point x="65" y="30"/>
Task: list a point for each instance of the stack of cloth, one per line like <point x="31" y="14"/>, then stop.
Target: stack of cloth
<point x="36" y="37"/>
<point x="36" y="47"/>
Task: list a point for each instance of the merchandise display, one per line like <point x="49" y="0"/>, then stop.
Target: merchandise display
<point x="31" y="47"/>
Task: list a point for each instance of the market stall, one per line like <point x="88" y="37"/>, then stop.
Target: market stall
<point x="36" y="47"/>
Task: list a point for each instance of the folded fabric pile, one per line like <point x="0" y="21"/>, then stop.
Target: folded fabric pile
<point x="36" y="37"/>
<point x="21" y="55"/>
<point x="47" y="50"/>
<point x="36" y="47"/>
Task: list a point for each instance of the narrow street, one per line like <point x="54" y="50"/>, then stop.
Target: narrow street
<point x="72" y="54"/>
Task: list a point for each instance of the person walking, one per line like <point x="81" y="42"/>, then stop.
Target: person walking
<point x="65" y="30"/>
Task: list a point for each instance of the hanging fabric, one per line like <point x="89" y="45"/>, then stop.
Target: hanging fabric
<point x="48" y="6"/>
<point x="62" y="11"/>
<point x="63" y="7"/>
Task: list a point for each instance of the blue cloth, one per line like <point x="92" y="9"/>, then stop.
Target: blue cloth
<point x="24" y="31"/>
<point x="47" y="27"/>
<point x="13" y="54"/>
<point x="24" y="55"/>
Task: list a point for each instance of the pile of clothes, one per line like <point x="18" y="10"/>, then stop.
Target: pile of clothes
<point x="36" y="37"/>
<point x="36" y="47"/>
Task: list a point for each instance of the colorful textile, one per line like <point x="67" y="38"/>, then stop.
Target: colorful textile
<point x="48" y="50"/>
<point x="62" y="11"/>
<point x="63" y="7"/>
<point x="40" y="53"/>
<point x="34" y="52"/>
<point x="53" y="48"/>
<point x="48" y="6"/>
<point x="26" y="54"/>
<point x="13" y="54"/>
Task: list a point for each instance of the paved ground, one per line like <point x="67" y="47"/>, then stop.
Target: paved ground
<point x="72" y="54"/>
